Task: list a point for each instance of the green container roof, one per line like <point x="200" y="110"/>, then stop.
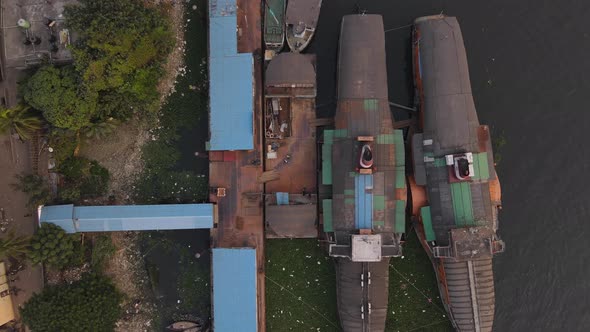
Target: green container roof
<point x="327" y="210"/>
<point x="427" y="223"/>
<point x="462" y="204"/>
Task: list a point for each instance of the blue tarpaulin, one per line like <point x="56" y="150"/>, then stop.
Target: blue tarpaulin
<point x="231" y="82"/>
<point x="234" y="290"/>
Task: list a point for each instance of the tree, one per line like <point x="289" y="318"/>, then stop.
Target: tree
<point x="35" y="187"/>
<point x="91" y="304"/>
<point x="53" y="246"/>
<point x="59" y="94"/>
<point x="87" y="176"/>
<point x="14" y="246"/>
<point x="119" y="54"/>
<point x="100" y="129"/>
<point x="22" y="119"/>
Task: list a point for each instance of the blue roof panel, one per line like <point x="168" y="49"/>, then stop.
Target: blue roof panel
<point x="234" y="290"/>
<point x="60" y="215"/>
<point x="363" y="192"/>
<point x="129" y="217"/>
<point x="222" y="8"/>
<point x="231" y="82"/>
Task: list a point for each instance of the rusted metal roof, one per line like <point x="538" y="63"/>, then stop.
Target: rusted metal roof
<point x="306" y="11"/>
<point x="362" y="70"/>
<point x="462" y="216"/>
<point x="290" y="70"/>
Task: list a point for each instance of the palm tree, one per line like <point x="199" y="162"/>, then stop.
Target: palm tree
<point x="14" y="246"/>
<point x="100" y="129"/>
<point x="22" y="119"/>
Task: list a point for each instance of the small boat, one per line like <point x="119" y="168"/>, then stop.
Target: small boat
<point x="274" y="27"/>
<point x="302" y="19"/>
<point x="184" y="326"/>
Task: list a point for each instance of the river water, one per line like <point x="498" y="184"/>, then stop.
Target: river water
<point x="529" y="64"/>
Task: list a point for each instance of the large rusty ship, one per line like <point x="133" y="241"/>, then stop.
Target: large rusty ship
<point x="455" y="190"/>
<point x="363" y="161"/>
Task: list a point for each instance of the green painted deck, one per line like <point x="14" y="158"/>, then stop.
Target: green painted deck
<point x="274" y="21"/>
<point x="400" y="216"/>
<point x="327" y="157"/>
<point x="427" y="223"/>
<point x="481" y="166"/>
<point x="327" y="209"/>
<point x="462" y="204"/>
<point x="371" y="104"/>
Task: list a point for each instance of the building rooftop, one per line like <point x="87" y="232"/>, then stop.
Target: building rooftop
<point x="234" y="290"/>
<point x="231" y="82"/>
<point x="36" y="18"/>
<point x="128" y="217"/>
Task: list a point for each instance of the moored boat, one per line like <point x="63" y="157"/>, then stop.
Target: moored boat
<point x="301" y="22"/>
<point x="274" y="27"/>
<point x="185" y="326"/>
<point x="454" y="187"/>
<point x="363" y="159"/>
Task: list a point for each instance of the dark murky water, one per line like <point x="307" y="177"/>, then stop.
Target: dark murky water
<point x="529" y="64"/>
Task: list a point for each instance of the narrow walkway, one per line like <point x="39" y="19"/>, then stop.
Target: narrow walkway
<point x="17" y="216"/>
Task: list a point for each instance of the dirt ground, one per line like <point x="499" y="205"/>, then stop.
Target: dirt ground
<point x="15" y="215"/>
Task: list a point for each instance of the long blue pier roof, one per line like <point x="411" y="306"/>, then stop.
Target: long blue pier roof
<point x="128" y="217"/>
<point x="234" y="290"/>
<point x="231" y="82"/>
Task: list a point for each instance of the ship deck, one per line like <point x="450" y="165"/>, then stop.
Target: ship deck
<point x="296" y="177"/>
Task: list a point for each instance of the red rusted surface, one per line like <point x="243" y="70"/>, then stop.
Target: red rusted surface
<point x="249" y="32"/>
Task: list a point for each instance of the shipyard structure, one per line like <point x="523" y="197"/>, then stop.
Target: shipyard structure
<point x="454" y="187"/>
<point x="363" y="161"/>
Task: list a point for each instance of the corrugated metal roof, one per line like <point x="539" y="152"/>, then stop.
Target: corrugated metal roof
<point x="231" y="82"/>
<point x="234" y="290"/>
<point x="60" y="215"/>
<point x="287" y="69"/>
<point x="129" y="217"/>
<point x="363" y="194"/>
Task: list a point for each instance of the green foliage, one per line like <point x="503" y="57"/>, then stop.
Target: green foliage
<point x="102" y="250"/>
<point x="498" y="142"/>
<point x="64" y="143"/>
<point x="91" y="304"/>
<point x="35" y="187"/>
<point x="414" y="299"/>
<point x="300" y="286"/>
<point x="171" y="187"/>
<point x="58" y="92"/>
<point x="100" y="129"/>
<point x="121" y="48"/>
<point x="84" y="175"/>
<point x="22" y="119"/>
<point x="14" y="246"/>
<point x="52" y="246"/>
<point x="159" y="155"/>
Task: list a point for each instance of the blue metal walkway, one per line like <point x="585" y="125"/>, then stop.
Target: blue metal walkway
<point x="116" y="218"/>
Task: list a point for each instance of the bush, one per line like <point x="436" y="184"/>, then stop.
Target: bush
<point x="91" y="304"/>
<point x="102" y="250"/>
<point x="64" y="143"/>
<point x="35" y="187"/>
<point x="84" y="177"/>
<point x="51" y="245"/>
